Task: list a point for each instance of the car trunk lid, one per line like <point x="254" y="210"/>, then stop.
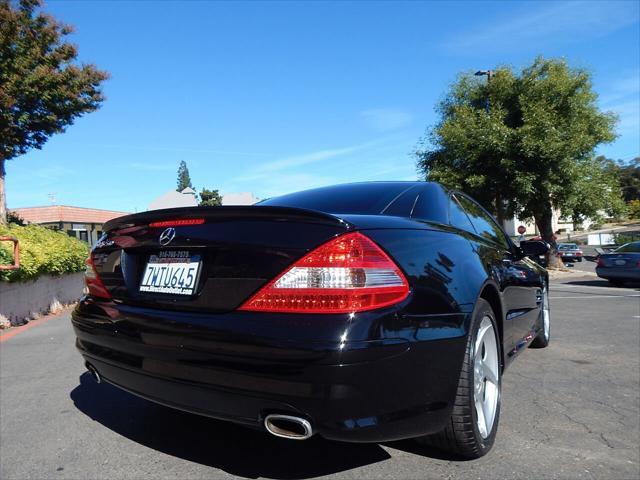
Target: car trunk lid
<point x="230" y="251"/>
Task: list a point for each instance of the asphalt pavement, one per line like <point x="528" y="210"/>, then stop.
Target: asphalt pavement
<point x="569" y="411"/>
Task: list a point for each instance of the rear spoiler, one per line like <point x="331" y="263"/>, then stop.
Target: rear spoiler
<point x="257" y="212"/>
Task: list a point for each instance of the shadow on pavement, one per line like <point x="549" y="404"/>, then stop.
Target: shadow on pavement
<point x="602" y="283"/>
<point x="228" y="447"/>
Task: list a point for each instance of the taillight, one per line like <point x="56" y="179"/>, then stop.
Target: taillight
<point x="600" y="262"/>
<point x="92" y="280"/>
<point x="180" y="222"/>
<point x="347" y="274"/>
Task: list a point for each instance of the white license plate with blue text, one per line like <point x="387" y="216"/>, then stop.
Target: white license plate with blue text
<point x="173" y="272"/>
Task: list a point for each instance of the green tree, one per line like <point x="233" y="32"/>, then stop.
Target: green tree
<point x="597" y="190"/>
<point x="634" y="209"/>
<point x="184" y="179"/>
<point x="522" y="143"/>
<point x="210" y="198"/>
<point x="42" y="88"/>
<point x="629" y="175"/>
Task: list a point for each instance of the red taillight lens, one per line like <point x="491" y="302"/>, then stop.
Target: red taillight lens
<point x="347" y="274"/>
<point x="92" y="280"/>
<point x="177" y="222"/>
<point x="600" y="262"/>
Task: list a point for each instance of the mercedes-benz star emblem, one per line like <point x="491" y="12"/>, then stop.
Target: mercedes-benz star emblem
<point x="167" y="236"/>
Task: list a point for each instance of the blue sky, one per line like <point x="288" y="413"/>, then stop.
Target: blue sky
<point x="277" y="97"/>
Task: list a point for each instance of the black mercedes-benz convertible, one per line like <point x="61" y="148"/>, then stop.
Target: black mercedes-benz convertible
<point x="364" y="312"/>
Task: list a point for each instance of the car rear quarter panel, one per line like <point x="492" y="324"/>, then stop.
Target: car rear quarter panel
<point x="445" y="275"/>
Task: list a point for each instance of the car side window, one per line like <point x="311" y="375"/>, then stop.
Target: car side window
<point x="457" y="216"/>
<point x="483" y="223"/>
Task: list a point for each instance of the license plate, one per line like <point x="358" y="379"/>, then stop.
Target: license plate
<point x="621" y="262"/>
<point x="173" y="272"/>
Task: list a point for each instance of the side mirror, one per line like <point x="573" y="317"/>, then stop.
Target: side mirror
<point x="533" y="248"/>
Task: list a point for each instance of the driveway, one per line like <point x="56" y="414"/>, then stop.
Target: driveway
<point x="569" y="411"/>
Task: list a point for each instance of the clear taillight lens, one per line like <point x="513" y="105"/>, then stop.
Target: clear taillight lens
<point x="347" y="274"/>
<point x="92" y="280"/>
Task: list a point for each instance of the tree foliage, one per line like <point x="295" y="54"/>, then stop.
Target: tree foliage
<point x="210" y="198"/>
<point x="597" y="191"/>
<point x="531" y="150"/>
<point x="42" y="88"/>
<point x="184" y="179"/>
<point x="634" y="209"/>
<point x="629" y="177"/>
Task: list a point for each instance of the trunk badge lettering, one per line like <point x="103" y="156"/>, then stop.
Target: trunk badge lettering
<point x="167" y="236"/>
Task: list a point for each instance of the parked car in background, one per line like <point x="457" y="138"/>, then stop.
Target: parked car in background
<point x="622" y="265"/>
<point x="365" y="312"/>
<point x="570" y="252"/>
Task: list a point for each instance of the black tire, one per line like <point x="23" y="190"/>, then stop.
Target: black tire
<point x="543" y="338"/>
<point x="462" y="436"/>
<point x="579" y="259"/>
<point x="616" y="283"/>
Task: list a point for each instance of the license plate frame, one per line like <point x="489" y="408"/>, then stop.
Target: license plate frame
<point x="171" y="272"/>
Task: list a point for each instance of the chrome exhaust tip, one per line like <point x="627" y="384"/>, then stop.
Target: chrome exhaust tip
<point x="94" y="373"/>
<point x="287" y="426"/>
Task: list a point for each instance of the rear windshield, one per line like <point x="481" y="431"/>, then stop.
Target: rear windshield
<point x="356" y="198"/>
<point x="633" y="247"/>
<point x="568" y="246"/>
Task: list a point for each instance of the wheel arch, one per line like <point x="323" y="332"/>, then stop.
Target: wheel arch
<point x="490" y="294"/>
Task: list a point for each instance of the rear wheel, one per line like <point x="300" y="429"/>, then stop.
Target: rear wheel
<point x="616" y="283"/>
<point x="544" y="335"/>
<point x="471" y="430"/>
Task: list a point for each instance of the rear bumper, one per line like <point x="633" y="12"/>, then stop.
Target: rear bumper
<point x="364" y="391"/>
<point x="618" y="273"/>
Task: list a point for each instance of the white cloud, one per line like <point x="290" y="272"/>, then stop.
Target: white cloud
<point x="551" y="22"/>
<point x="386" y="119"/>
<point x="307" y="158"/>
<point x="265" y="170"/>
<point x="622" y="96"/>
<point x="628" y="116"/>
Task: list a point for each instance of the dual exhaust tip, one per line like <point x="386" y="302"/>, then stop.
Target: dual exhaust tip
<point x="288" y="426"/>
<point x="283" y="426"/>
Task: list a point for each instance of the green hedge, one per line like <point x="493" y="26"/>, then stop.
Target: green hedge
<point x="42" y="251"/>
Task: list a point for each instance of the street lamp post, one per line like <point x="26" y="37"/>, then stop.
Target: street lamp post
<point x="482" y="73"/>
<point x="489" y="74"/>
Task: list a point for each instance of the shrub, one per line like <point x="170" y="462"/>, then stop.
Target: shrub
<point x="42" y="251"/>
<point x="634" y="208"/>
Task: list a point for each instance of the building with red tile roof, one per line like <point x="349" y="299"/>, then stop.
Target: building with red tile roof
<point x="83" y="223"/>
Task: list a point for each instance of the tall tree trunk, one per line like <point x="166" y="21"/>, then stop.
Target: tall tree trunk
<point x="3" y="198"/>
<point x="544" y="220"/>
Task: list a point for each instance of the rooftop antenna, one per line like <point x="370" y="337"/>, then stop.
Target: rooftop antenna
<point x="52" y="197"/>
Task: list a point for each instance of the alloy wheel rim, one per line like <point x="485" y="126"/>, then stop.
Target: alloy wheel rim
<point x="486" y="388"/>
<point x="545" y="313"/>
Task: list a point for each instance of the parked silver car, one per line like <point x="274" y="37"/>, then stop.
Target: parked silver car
<point x="570" y="252"/>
